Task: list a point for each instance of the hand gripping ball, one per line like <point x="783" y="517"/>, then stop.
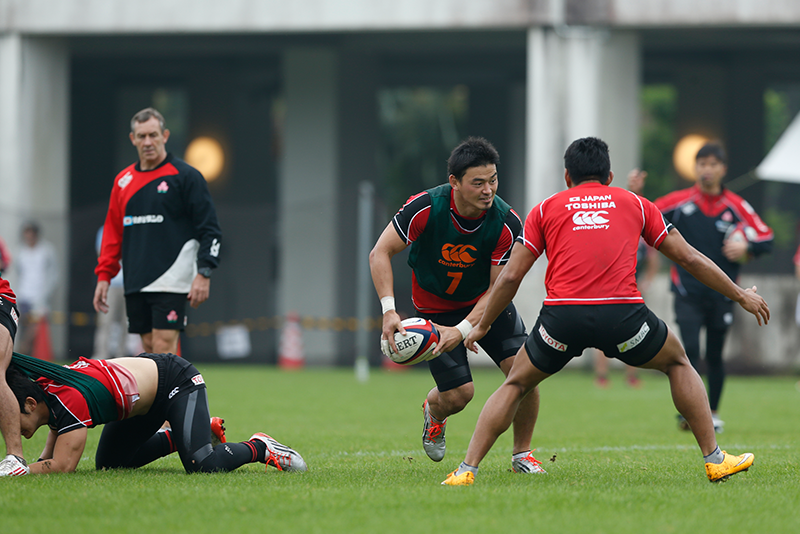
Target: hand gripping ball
<point x="418" y="343"/>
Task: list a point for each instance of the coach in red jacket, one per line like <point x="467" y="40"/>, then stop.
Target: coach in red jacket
<point x="162" y="224"/>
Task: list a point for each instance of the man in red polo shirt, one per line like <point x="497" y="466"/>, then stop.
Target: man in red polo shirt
<point x="591" y="233"/>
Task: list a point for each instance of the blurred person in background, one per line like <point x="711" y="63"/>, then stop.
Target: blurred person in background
<point x="724" y="227"/>
<point x="110" y="334"/>
<point x="162" y="224"/>
<point x="797" y="275"/>
<point x="5" y="256"/>
<point x="37" y="278"/>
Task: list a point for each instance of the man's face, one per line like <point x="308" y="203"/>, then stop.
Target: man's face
<point x="710" y="172"/>
<point x="475" y="190"/>
<point x="30" y="422"/>
<point x="30" y="237"/>
<point x="150" y="142"/>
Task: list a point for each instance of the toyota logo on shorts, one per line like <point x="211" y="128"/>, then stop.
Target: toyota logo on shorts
<point x="589" y="218"/>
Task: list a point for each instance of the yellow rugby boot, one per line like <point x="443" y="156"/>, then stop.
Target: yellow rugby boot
<point x="464" y="479"/>
<point x="729" y="466"/>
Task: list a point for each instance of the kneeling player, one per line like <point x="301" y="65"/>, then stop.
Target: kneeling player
<point x="143" y="391"/>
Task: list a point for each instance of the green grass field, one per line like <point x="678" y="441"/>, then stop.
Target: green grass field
<point x="621" y="465"/>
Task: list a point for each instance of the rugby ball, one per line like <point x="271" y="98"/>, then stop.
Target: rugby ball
<point x="418" y="343"/>
<point x="742" y="233"/>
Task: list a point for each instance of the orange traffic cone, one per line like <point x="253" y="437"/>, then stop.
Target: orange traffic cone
<point x="291" y="354"/>
<point x="42" y="348"/>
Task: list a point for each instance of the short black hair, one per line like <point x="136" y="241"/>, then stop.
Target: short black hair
<point x="472" y="152"/>
<point x="587" y="159"/>
<point x="22" y="387"/>
<point x="31" y="226"/>
<point x="713" y="148"/>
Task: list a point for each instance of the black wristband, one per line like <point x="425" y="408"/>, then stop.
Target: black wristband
<point x="204" y="272"/>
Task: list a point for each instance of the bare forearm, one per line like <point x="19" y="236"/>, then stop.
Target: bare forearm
<point x="49" y="446"/>
<point x="498" y="298"/>
<point x="44" y="467"/>
<point x="707" y="272"/>
<point x="478" y="310"/>
<point x="380" y="266"/>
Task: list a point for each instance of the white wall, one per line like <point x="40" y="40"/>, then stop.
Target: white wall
<point x="308" y="190"/>
<point x="279" y="16"/>
<point x="90" y="16"/>
<point x="34" y="148"/>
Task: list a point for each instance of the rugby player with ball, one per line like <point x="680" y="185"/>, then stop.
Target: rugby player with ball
<point x="590" y="233"/>
<point x="723" y="226"/>
<point x="461" y="234"/>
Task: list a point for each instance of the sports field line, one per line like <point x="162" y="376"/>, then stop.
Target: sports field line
<point x="577" y="450"/>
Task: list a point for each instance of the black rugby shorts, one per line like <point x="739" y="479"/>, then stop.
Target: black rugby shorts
<point x="164" y="311"/>
<point x="9" y="316"/>
<point x="713" y="313"/>
<point x="628" y="332"/>
<point x="451" y="369"/>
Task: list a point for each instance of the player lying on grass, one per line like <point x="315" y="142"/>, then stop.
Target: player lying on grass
<point x="132" y="397"/>
<point x="591" y="233"/>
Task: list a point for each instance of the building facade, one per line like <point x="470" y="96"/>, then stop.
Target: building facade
<point x="289" y="92"/>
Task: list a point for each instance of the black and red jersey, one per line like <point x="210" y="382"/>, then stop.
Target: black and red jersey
<point x="6" y="292"/>
<point x="591" y="235"/>
<point x="163" y="226"/>
<point x="411" y="221"/>
<point x="69" y="409"/>
<point x="704" y="220"/>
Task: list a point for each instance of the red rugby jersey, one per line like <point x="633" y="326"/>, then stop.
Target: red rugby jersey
<point x="590" y="233"/>
<point x="6" y="292"/>
<point x="68" y="408"/>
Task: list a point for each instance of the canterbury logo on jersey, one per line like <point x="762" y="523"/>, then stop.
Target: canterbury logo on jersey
<point x="130" y="220"/>
<point x="458" y="255"/>
<point x="125" y="180"/>
<point x="590" y="220"/>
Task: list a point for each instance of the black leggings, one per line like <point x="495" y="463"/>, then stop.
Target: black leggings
<point x="136" y="441"/>
<point x="715" y="368"/>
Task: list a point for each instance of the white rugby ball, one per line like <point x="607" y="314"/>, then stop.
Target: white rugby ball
<point x="418" y="344"/>
<point x="743" y="234"/>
